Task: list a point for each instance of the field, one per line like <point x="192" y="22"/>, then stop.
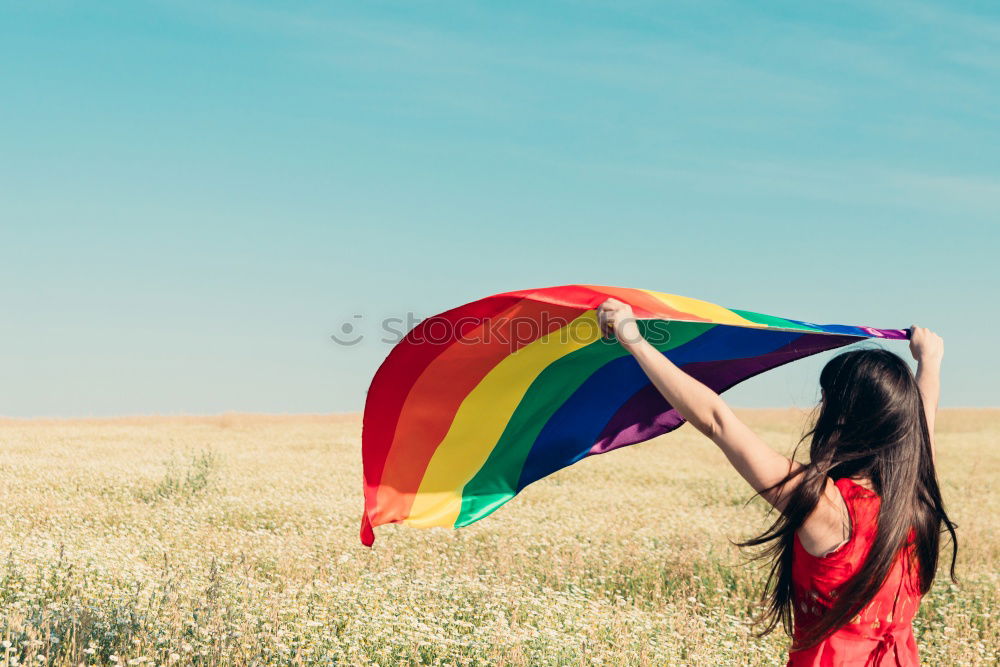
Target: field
<point x="233" y="540"/>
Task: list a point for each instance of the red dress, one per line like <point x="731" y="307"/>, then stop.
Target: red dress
<point x="882" y="633"/>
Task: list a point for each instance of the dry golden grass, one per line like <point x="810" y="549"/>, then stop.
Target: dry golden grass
<point x="233" y="540"/>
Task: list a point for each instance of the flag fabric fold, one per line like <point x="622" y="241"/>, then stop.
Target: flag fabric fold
<point x="478" y="402"/>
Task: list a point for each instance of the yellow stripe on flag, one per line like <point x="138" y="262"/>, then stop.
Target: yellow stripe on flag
<point x="704" y="309"/>
<point x="482" y="417"/>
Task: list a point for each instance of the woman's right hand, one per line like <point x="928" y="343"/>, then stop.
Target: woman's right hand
<point x="925" y="345"/>
<point x="615" y="318"/>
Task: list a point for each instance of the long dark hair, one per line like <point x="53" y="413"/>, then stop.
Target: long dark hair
<point x="871" y="423"/>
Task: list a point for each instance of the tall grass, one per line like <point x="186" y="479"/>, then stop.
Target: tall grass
<point x="181" y="480"/>
<point x="233" y="540"/>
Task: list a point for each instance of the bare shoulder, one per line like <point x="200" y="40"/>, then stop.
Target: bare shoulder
<point x="829" y="525"/>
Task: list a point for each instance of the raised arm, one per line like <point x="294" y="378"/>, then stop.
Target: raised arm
<point x="760" y="465"/>
<point x="928" y="350"/>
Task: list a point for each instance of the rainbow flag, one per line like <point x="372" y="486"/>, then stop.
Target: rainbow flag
<point x="478" y="402"/>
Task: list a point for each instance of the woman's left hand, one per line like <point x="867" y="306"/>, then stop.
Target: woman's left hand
<point x="616" y="318"/>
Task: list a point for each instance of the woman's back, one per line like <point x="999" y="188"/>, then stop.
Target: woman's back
<point x="882" y="633"/>
<point x="876" y="421"/>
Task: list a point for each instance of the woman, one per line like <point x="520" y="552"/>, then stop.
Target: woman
<point x="856" y="541"/>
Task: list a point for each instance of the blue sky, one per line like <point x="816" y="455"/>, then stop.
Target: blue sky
<point x="195" y="195"/>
